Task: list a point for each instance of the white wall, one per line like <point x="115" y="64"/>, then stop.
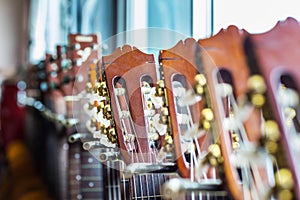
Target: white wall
<point x="13" y="35"/>
<point x="253" y="15"/>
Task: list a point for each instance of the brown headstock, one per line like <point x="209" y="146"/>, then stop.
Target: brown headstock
<point x="276" y="54"/>
<point x="238" y="122"/>
<point x="178" y="67"/>
<point x="82" y="51"/>
<point x="54" y="97"/>
<point x="125" y="72"/>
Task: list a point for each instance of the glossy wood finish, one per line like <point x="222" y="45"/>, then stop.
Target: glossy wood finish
<point x="131" y="65"/>
<point x="277" y="54"/>
<point x="83" y="50"/>
<point x="225" y="51"/>
<point x="180" y="60"/>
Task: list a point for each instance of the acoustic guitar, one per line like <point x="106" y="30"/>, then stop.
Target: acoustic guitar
<point x="273" y="61"/>
<point x="248" y="167"/>
<point x="131" y="79"/>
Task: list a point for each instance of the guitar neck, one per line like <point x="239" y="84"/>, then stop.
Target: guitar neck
<point x="85" y="174"/>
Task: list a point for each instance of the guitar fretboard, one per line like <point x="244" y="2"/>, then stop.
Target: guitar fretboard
<point x="85" y="174"/>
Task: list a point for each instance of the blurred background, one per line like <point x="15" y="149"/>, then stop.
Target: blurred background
<point x="30" y="29"/>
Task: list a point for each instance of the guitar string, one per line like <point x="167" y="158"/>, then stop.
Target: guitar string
<point x="145" y="177"/>
<point x="148" y="131"/>
<point x="244" y="142"/>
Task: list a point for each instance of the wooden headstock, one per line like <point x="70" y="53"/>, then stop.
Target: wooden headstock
<point x="191" y="121"/>
<point x="75" y="60"/>
<point x="238" y="123"/>
<point x="125" y="71"/>
<point x="178" y="67"/>
<point x="274" y="55"/>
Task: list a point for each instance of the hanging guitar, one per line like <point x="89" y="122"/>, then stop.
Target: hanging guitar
<point x="248" y="167"/>
<point x="191" y="123"/>
<point x="85" y="180"/>
<point x="130" y="77"/>
<point x="273" y="60"/>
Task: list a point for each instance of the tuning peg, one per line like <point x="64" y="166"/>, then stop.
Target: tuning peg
<point x="76" y="46"/>
<point x="142" y="168"/>
<point x="189" y="98"/>
<point x="105" y="156"/>
<point x="177" y="186"/>
<point x="79" y="136"/>
<point x="224" y="89"/>
<point x="256" y="84"/>
<point x="119" y="91"/>
<point x="161" y="128"/>
<point x="201" y="79"/>
<point x="157" y="101"/>
<point x="91" y="145"/>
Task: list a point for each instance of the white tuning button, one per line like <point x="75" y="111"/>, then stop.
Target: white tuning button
<point x="224" y="89"/>
<point x="248" y="154"/>
<point x="91" y="129"/>
<point x="172" y="188"/>
<point x="182" y="118"/>
<point x="149" y="113"/>
<point x="124" y="114"/>
<point x="201" y="168"/>
<point x="104" y="141"/>
<point x="157" y="101"/>
<point x="90" y="112"/>
<point x="119" y="91"/>
<point x="193" y="132"/>
<point x="147" y="90"/>
<point x="161" y="128"/>
<point x="189" y="98"/>
<point x="231" y="124"/>
<point x="288" y="97"/>
<point x="179" y="91"/>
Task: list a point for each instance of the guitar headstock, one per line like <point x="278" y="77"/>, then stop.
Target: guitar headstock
<point x="274" y="56"/>
<point x="130" y="74"/>
<point x="74" y="61"/>
<point x="178" y="69"/>
<point x="238" y="123"/>
<point x="191" y="120"/>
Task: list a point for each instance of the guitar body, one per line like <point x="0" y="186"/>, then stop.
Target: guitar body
<point x="277" y="56"/>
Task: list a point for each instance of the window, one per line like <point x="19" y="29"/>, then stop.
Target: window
<point x="254" y="16"/>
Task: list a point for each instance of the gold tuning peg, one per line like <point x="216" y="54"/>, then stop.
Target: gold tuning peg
<point x="257" y="84"/>
<point x="201" y="79"/>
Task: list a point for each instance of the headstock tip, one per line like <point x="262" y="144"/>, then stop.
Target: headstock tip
<point x="287" y="21"/>
<point x="127" y="48"/>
